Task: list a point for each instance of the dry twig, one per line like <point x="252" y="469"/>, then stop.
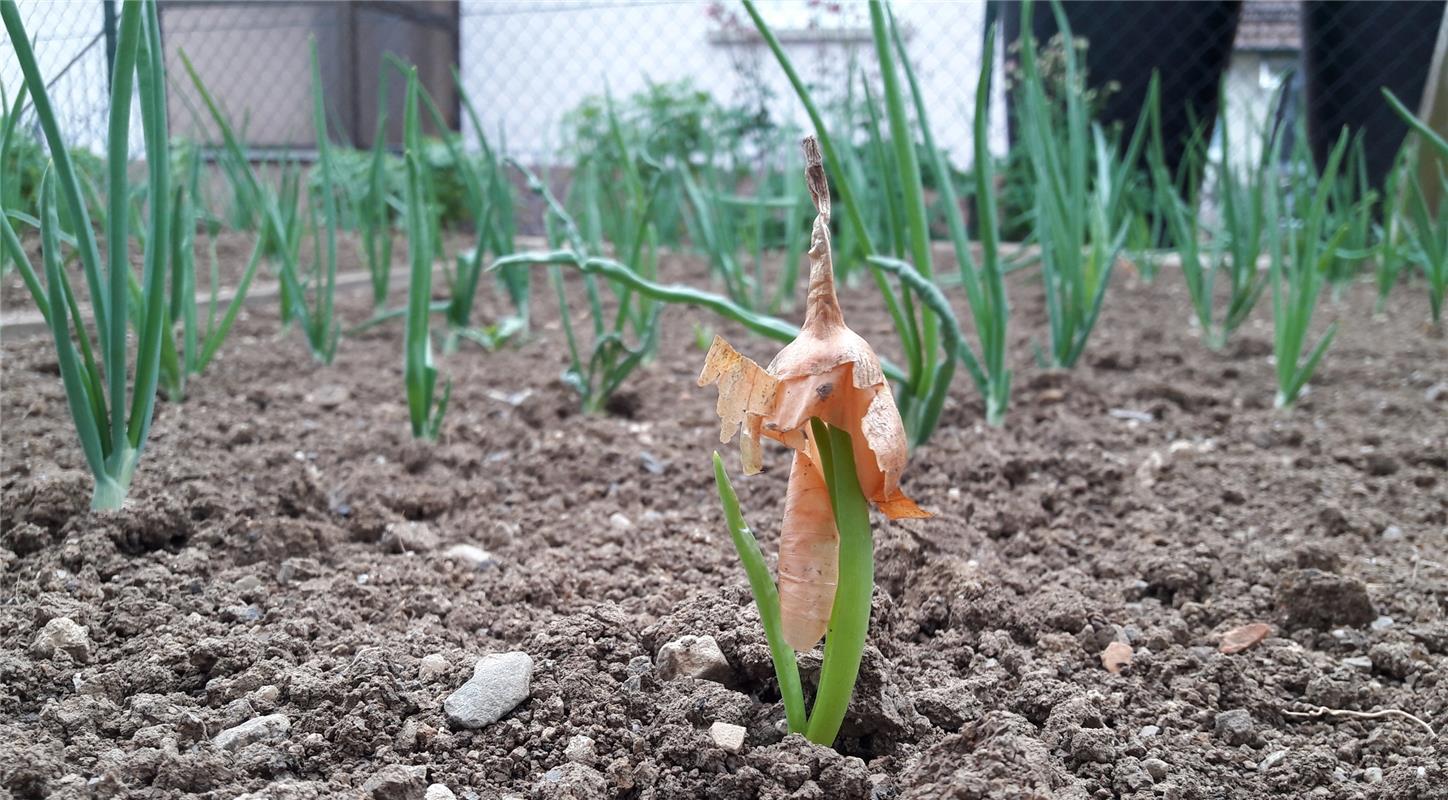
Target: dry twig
<point x="1324" y="711"/>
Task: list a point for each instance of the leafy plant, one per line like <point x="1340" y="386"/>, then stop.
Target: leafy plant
<point x="984" y="282"/>
<point x="489" y="203"/>
<point x="320" y="323"/>
<point x="1392" y="250"/>
<point x="113" y="431"/>
<point x="826" y="398"/>
<point x="1080" y="213"/>
<point x="1352" y="205"/>
<point x="725" y="224"/>
<point x="611" y="359"/>
<point x="199" y="340"/>
<point x="930" y="356"/>
<point x="280" y="219"/>
<point x="667" y="126"/>
<point x="1428" y="233"/>
<point x="424" y="410"/>
<point x="1242" y="200"/>
<point x="375" y="208"/>
<point x="500" y="233"/>
<point x="1298" y="271"/>
<point x="1235" y="244"/>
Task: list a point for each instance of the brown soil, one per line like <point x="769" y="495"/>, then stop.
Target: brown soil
<point x="1151" y="497"/>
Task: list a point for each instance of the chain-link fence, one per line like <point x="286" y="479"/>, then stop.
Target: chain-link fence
<point x="527" y="64"/>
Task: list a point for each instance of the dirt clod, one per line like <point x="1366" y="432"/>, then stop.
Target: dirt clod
<point x="1311" y="598"/>
<point x="62" y="635"/>
<point x="1235" y="726"/>
<point x="396" y="782"/>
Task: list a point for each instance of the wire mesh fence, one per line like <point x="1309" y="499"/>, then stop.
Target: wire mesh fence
<point x="531" y="67"/>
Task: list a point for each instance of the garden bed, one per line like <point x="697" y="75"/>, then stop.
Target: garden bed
<point x="287" y="551"/>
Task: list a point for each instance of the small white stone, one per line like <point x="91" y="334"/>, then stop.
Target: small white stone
<point x="438" y="792"/>
<point x="266" y="695"/>
<point x="470" y="555"/>
<point x="695" y="656"/>
<point x="619" y="521"/>
<point x="432" y="665"/>
<point x="499" y="683"/>
<point x="62" y="634"/>
<point x="581" y="750"/>
<point x="730" y="738"/>
<point x="1272" y="760"/>
<point x="259" y="729"/>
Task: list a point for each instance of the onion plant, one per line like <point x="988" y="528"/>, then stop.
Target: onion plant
<point x="1427" y="232"/>
<point x="1235" y="244"/>
<point x="724" y="223"/>
<point x="826" y="398"/>
<point x="1242" y="207"/>
<point x="597" y="373"/>
<point x="929" y="354"/>
<point x="320" y="324"/>
<point x="113" y="424"/>
<point x="1352" y="205"/>
<point x="1391" y="252"/>
<point x="375" y="213"/>
<point x="1430" y="236"/>
<point x="984" y="281"/>
<point x="425" y="409"/>
<point x="488" y="200"/>
<point x="1081" y="186"/>
<point x="11" y="189"/>
<point x="19" y="157"/>
<point x="281" y="217"/>
<point x="199" y="340"/>
<point x="501" y="232"/>
<point x="1298" y="271"/>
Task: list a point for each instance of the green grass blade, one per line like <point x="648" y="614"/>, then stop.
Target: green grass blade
<point x="113" y="342"/>
<point x="158" y="241"/>
<point x="323" y="327"/>
<point x="82" y="411"/>
<point x="216" y="336"/>
<point x="17" y="254"/>
<point x="766" y="599"/>
<point x="1432" y="137"/>
<point x="419" y="373"/>
<point x="850" y="615"/>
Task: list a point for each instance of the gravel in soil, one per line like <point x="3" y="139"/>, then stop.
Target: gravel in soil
<point x="296" y="592"/>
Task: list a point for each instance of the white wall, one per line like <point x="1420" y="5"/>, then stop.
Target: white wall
<point x="526" y="63"/>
